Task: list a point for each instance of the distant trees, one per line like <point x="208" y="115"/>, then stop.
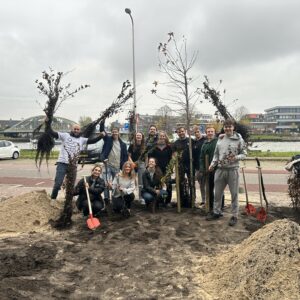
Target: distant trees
<point x="84" y="120"/>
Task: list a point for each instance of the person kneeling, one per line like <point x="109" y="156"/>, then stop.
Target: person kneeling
<point x="95" y="185"/>
<point x="152" y="191"/>
<point x="123" y="187"/>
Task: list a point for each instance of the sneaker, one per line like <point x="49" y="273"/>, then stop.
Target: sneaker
<point x="213" y="216"/>
<point x="202" y="203"/>
<point x="232" y="221"/>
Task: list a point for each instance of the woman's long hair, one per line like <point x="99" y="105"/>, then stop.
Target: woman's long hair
<point x="134" y="143"/>
<point x="158" y="172"/>
<point x="166" y="137"/>
<point x="131" y="175"/>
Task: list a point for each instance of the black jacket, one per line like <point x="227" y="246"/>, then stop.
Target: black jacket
<point x="150" y="185"/>
<point x="162" y="157"/>
<point x="197" y="151"/>
<point x="95" y="189"/>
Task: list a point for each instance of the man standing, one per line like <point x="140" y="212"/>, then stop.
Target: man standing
<point x="114" y="155"/>
<point x="229" y="151"/>
<point x="182" y="145"/>
<point x="72" y="144"/>
<point x="199" y="141"/>
<point x="152" y="138"/>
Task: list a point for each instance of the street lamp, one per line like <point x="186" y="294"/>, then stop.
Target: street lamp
<point x="128" y="11"/>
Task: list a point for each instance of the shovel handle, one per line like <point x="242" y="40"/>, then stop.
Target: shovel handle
<point x="245" y="186"/>
<point x="88" y="197"/>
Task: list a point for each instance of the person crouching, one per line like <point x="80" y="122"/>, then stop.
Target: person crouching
<point x="95" y="185"/>
<point x="123" y="187"/>
<point x="152" y="191"/>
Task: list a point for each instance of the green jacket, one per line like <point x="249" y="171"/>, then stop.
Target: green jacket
<point x="208" y="148"/>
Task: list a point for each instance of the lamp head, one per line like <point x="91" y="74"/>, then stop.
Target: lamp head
<point x="128" y="11"/>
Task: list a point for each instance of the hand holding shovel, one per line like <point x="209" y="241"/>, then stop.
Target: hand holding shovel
<point x="91" y="222"/>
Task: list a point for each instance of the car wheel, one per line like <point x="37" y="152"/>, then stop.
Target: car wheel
<point x="15" y="155"/>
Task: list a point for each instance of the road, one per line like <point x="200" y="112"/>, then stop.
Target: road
<point x="24" y="172"/>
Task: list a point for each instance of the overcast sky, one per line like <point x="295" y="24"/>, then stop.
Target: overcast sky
<point x="252" y="45"/>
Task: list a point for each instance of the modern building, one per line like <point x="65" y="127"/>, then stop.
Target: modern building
<point x="287" y="118"/>
<point x="258" y="123"/>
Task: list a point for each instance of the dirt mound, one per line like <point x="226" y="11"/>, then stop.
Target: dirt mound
<point x="264" y="266"/>
<point x="26" y="213"/>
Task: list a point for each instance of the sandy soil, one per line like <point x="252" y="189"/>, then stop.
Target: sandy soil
<point x="148" y="256"/>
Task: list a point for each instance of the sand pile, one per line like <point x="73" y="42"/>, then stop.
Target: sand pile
<point x="264" y="266"/>
<point x="26" y="213"/>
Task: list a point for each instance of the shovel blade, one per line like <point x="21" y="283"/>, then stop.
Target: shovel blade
<point x="261" y="215"/>
<point x="92" y="223"/>
<point x="250" y="209"/>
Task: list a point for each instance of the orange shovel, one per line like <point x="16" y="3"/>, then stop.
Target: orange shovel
<point x="249" y="208"/>
<point x="262" y="212"/>
<point x="91" y="222"/>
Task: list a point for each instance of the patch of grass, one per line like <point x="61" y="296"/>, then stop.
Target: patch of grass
<point x="258" y="153"/>
<point x="32" y="153"/>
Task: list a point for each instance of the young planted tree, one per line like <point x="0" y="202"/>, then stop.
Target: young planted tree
<point x="56" y="93"/>
<point x="214" y="96"/>
<point x="176" y="65"/>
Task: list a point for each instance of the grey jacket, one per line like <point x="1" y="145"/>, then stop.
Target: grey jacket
<point x="227" y="147"/>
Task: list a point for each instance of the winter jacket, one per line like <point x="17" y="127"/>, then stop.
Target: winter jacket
<point x="162" y="156"/>
<point x="208" y="148"/>
<point x="107" y="146"/>
<point x="150" y="185"/>
<point x="226" y="147"/>
<point x="197" y="151"/>
<point x="95" y="189"/>
<point x="183" y="145"/>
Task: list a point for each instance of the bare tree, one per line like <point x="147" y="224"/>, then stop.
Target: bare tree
<point x="240" y="113"/>
<point x="84" y="120"/>
<point x="176" y="64"/>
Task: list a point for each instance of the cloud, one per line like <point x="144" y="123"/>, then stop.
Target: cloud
<point x="252" y="45"/>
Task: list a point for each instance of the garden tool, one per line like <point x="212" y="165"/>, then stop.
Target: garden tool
<point x="262" y="212"/>
<point x="91" y="222"/>
<point x="249" y="208"/>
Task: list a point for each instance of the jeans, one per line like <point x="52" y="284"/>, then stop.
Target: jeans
<point x="140" y="172"/>
<point x="97" y="206"/>
<point x="61" y="170"/>
<point x="148" y="197"/>
<point x="109" y="174"/>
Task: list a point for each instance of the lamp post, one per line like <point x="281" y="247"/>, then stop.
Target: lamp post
<point x="128" y="11"/>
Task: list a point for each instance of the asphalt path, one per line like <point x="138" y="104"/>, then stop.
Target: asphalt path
<point x="23" y="172"/>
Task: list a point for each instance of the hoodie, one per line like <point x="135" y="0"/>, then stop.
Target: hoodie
<point x="226" y="148"/>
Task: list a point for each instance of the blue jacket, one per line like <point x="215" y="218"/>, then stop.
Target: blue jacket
<point x="107" y="146"/>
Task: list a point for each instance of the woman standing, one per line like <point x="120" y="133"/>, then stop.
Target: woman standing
<point x="162" y="153"/>
<point x="95" y="185"/>
<point x="136" y="155"/>
<point x="123" y="187"/>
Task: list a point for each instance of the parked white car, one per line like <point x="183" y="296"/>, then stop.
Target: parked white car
<point x="9" y="150"/>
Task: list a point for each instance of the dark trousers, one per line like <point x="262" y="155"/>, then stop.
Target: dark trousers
<point x="120" y="202"/>
<point x="161" y="198"/>
<point x="97" y="206"/>
<point x="185" y="186"/>
<point x="61" y="171"/>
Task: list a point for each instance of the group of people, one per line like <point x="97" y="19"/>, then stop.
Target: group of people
<point x="146" y="167"/>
